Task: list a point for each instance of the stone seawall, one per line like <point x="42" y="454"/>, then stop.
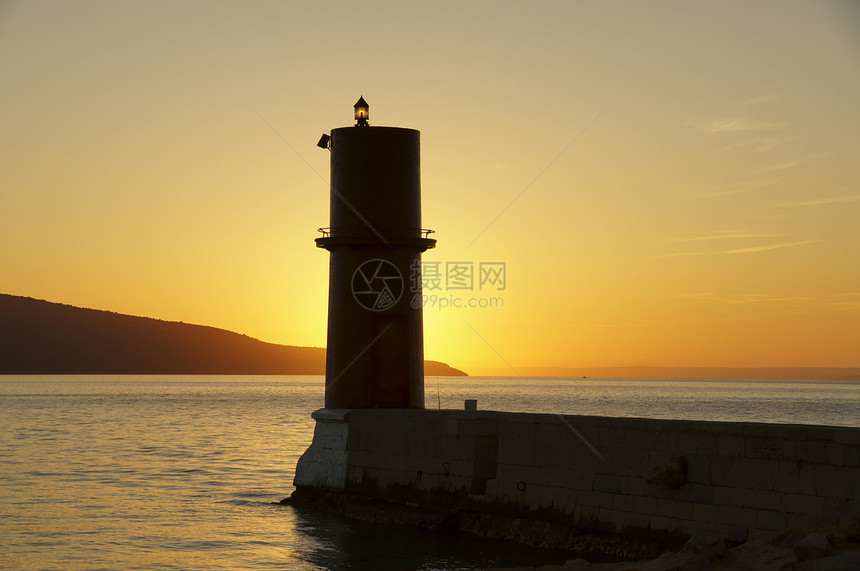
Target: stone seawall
<point x="628" y="476"/>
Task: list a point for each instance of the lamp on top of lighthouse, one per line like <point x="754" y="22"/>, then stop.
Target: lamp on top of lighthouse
<point x="362" y="112"/>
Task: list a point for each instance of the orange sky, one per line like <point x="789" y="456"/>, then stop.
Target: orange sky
<point x="700" y="205"/>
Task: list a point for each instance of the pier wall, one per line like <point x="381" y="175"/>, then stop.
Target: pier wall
<point x="621" y="475"/>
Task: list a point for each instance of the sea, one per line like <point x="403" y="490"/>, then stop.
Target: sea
<point x="186" y="472"/>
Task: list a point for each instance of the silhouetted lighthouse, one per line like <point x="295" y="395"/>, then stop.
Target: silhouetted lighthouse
<point x="375" y="353"/>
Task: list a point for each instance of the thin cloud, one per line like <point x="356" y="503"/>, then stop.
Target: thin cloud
<point x="768" y="248"/>
<point x="779" y="216"/>
<point x="790" y="164"/>
<point x="747" y="250"/>
<point x="742" y="298"/>
<point x="725" y="234"/>
<point x="759" y="144"/>
<point x="758" y="101"/>
<point x="841" y="302"/>
<point x="851" y="305"/>
<point x="734" y="124"/>
<point x="824" y="201"/>
<point x="781" y="166"/>
<point x="845" y="301"/>
<point x="736" y="188"/>
<point x="765" y="144"/>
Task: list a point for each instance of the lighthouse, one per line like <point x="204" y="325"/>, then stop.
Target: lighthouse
<point x="375" y="339"/>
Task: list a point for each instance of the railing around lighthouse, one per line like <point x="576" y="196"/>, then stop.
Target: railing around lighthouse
<point x="327" y="232"/>
<point x="339" y="237"/>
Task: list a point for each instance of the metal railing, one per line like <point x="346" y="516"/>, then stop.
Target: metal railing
<point x="327" y="232"/>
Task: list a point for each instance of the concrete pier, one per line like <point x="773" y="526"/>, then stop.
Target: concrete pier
<point x="660" y="478"/>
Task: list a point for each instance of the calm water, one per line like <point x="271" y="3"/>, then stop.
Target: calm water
<point x="144" y="472"/>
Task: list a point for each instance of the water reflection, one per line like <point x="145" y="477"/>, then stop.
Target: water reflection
<point x="335" y="542"/>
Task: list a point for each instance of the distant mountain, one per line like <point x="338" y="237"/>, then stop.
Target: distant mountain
<point x="784" y="373"/>
<point x="51" y="338"/>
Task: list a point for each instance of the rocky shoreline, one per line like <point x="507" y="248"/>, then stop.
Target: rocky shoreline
<point x="596" y="544"/>
<point x="818" y="545"/>
<point x="833" y="546"/>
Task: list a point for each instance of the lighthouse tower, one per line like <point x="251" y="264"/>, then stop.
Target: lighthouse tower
<point x="375" y="346"/>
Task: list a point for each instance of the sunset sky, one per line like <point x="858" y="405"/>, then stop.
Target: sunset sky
<point x="667" y="183"/>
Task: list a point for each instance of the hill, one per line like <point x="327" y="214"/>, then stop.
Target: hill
<point x="51" y="338"/>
